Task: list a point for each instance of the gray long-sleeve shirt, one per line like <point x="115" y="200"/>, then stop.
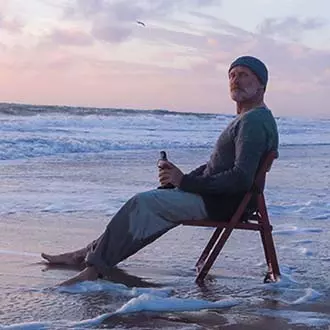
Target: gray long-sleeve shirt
<point x="235" y="159"/>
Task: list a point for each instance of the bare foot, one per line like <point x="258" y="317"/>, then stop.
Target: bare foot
<point x="88" y="274"/>
<point x="71" y="258"/>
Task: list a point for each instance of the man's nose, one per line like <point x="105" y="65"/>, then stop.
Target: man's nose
<point x="235" y="79"/>
<point x="234" y="82"/>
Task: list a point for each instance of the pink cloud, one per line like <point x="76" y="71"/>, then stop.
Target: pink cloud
<point x="108" y="31"/>
<point x="71" y="37"/>
<point x="284" y="62"/>
<point x="115" y="21"/>
<point x="287" y="61"/>
<point x="7" y="23"/>
<point x="290" y="27"/>
<point x="12" y="25"/>
<point x="126" y="10"/>
<point x="61" y="62"/>
<point x="324" y="79"/>
<point x="298" y="75"/>
<point x="144" y="91"/>
<point x="120" y="84"/>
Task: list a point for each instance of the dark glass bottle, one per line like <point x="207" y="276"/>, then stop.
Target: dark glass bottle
<point x="163" y="156"/>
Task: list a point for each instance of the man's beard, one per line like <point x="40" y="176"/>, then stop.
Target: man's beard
<point x="245" y="94"/>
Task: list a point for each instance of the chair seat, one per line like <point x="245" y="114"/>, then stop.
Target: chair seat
<point x="249" y="225"/>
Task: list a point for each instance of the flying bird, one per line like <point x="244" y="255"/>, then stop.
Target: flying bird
<point x="141" y="23"/>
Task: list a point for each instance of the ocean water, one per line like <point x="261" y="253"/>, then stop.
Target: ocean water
<point x="64" y="173"/>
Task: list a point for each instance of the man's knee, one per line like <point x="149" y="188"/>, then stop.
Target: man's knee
<point x="144" y="198"/>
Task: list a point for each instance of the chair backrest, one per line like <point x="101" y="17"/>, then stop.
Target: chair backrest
<point x="264" y="167"/>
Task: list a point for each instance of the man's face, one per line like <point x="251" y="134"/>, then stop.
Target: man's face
<point x="244" y="84"/>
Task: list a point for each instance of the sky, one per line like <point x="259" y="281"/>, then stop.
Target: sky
<point x="94" y="53"/>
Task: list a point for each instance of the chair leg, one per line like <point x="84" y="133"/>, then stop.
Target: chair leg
<point x="268" y="243"/>
<point x="213" y="255"/>
<point x="270" y="274"/>
<point x="219" y="244"/>
<point x="208" y="248"/>
<point x="274" y="267"/>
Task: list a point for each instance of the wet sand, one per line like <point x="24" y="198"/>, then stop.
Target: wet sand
<point x="26" y="279"/>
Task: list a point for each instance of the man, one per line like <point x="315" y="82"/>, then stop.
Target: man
<point x="213" y="190"/>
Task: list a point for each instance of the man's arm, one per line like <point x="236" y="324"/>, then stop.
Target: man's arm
<point x="171" y="174"/>
<point x="197" y="171"/>
<point x="250" y="145"/>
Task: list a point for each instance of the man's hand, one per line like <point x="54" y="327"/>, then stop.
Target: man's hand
<point x="169" y="173"/>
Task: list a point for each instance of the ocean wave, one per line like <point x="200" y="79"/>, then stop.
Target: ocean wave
<point x="13" y="109"/>
<point x="39" y="147"/>
<point x="29" y="131"/>
<point x="303" y="144"/>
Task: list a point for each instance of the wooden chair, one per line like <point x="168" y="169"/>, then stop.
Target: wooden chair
<point x="255" y="219"/>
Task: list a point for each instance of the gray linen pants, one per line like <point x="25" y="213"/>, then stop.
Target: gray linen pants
<point x="140" y="221"/>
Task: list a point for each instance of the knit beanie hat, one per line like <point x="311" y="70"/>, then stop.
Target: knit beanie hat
<point x="255" y="65"/>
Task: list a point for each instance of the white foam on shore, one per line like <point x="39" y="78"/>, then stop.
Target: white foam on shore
<point x="150" y="303"/>
<point x="308" y="295"/>
<point x="161" y="301"/>
<point x="147" y="302"/>
<point x="143" y="303"/>
<point x="286" y="280"/>
<point x="294" y="230"/>
<point x="317" y="209"/>
<point x="114" y="288"/>
<point x="324" y="216"/>
<point x="28" y="326"/>
<point x="303" y="250"/>
<point x="291" y="293"/>
<point x="19" y="253"/>
<point x="310" y="319"/>
<point x="303" y="242"/>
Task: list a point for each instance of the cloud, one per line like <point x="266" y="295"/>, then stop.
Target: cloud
<point x="12" y="25"/>
<point x="324" y="79"/>
<point x="220" y="25"/>
<point x="300" y="68"/>
<point x="290" y="27"/>
<point x="69" y="36"/>
<point x="114" y="21"/>
<point x="104" y="29"/>
<point x="200" y="87"/>
<point x="128" y="10"/>
<point x="177" y="65"/>
<point x="4" y="5"/>
<point x="290" y="60"/>
<point x="9" y="24"/>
